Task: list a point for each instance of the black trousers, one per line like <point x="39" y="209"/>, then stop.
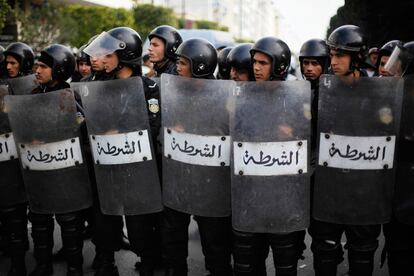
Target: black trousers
<point x="143" y="234"/>
<point x="71" y="225"/>
<point x="215" y="235"/>
<point x="14" y="222"/>
<point x="399" y="246"/>
<point x="362" y="242"/>
<point x="251" y="250"/>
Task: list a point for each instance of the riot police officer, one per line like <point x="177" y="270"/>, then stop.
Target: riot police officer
<point x="383" y="55"/>
<point x="54" y="66"/>
<point x="239" y="60"/>
<point x="197" y="58"/>
<point x="97" y="67"/>
<point x="223" y="66"/>
<point x="271" y="59"/>
<point x="123" y="61"/>
<point x="314" y="61"/>
<point x="347" y="52"/>
<point x="13" y="207"/>
<point x="19" y="59"/>
<point x="83" y="64"/>
<point x="399" y="239"/>
<point x="164" y="41"/>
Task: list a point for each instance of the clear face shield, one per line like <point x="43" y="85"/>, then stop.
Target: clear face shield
<point x="398" y="62"/>
<point x="104" y="44"/>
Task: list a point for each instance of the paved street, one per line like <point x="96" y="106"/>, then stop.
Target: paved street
<point x="126" y="259"/>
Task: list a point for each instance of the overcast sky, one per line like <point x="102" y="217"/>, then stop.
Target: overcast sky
<point x="300" y="19"/>
<point x="305" y="19"/>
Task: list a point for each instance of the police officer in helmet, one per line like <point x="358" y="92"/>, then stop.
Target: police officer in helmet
<point x="164" y="41"/>
<point x="223" y="66"/>
<point x="384" y="54"/>
<point x="270" y="57"/>
<point x="240" y="63"/>
<point x="13" y="210"/>
<point x="54" y="66"/>
<point x="19" y="59"/>
<point x="347" y="52"/>
<point x="314" y="61"/>
<point x="122" y="59"/>
<point x="197" y="58"/>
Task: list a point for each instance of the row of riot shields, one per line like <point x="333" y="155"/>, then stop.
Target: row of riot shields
<point x="239" y="149"/>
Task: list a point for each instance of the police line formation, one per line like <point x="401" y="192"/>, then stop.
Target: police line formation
<point x="255" y="159"/>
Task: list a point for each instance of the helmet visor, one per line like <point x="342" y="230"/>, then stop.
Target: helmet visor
<point x="398" y="62"/>
<point x="104" y="44"/>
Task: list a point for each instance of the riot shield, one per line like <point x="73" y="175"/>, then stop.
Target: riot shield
<point x="404" y="186"/>
<point x="196" y="172"/>
<point x="358" y="123"/>
<point x="11" y="184"/>
<point x="48" y="138"/>
<point x="270" y="128"/>
<point x="22" y="85"/>
<point x="121" y="144"/>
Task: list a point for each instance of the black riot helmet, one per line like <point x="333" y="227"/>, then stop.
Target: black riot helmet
<point x="23" y="54"/>
<point x="239" y="58"/>
<point x="409" y="46"/>
<point x="278" y="51"/>
<point x="61" y="59"/>
<point x="82" y="56"/>
<point x="124" y="41"/>
<point x="315" y="49"/>
<point x="171" y="38"/>
<point x="201" y="54"/>
<point x="388" y="47"/>
<point x="351" y="40"/>
<point x="223" y="66"/>
<point x="1" y="54"/>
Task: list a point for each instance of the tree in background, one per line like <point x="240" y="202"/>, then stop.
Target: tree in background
<point x="42" y="26"/>
<point x="74" y="24"/>
<point x="4" y="10"/>
<point x="88" y="21"/>
<point x="147" y="17"/>
<point x="380" y="20"/>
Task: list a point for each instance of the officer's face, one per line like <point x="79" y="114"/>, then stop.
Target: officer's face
<point x="13" y="67"/>
<point x="311" y="68"/>
<point x="84" y="68"/>
<point x="373" y="57"/>
<point x="340" y="62"/>
<point x="97" y="64"/>
<point x="156" y="50"/>
<point x="239" y="74"/>
<point x="262" y="66"/>
<point x="43" y="73"/>
<point x="184" y="67"/>
<point x="110" y="62"/>
<point x="381" y="68"/>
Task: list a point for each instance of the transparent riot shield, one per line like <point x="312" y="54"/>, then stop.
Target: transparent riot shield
<point x="404" y="186"/>
<point x="11" y="184"/>
<point x="358" y="124"/>
<point x="48" y="139"/>
<point x="22" y="85"/>
<point x="270" y="127"/>
<point x="120" y="137"/>
<point x="196" y="172"/>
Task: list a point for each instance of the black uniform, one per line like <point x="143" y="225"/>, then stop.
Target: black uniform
<point x="215" y="236"/>
<point x="142" y="232"/>
<point x="71" y="225"/>
<point x="167" y="66"/>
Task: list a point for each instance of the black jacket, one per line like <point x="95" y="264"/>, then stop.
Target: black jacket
<point x="168" y="67"/>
